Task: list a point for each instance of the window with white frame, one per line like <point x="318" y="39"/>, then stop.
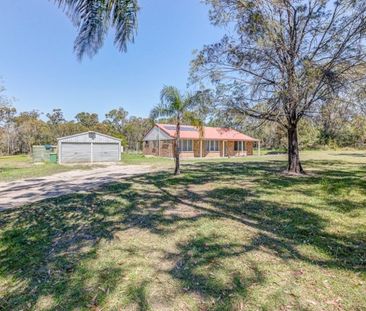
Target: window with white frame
<point x="239" y="145"/>
<point x="212" y="145"/>
<point x="186" y="145"/>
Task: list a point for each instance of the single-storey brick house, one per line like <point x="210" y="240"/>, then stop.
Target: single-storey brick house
<point x="215" y="142"/>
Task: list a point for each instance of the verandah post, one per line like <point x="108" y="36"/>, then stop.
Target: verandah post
<point x="158" y="142"/>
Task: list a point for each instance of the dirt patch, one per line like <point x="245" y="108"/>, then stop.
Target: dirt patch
<point x="26" y="191"/>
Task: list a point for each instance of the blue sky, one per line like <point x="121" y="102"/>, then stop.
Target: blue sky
<point x="38" y="66"/>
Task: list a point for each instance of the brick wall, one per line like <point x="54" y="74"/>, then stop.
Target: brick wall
<point x="196" y="148"/>
<point x="231" y="152"/>
<point x="166" y="148"/>
<point x="249" y="147"/>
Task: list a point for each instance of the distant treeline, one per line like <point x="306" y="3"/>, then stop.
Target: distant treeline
<point x="337" y="125"/>
<point x="19" y="131"/>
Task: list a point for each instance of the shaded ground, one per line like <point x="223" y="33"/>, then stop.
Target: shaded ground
<point x="225" y="235"/>
<point x="17" y="193"/>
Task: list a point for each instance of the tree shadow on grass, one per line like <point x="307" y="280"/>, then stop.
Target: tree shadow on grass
<point x="285" y="226"/>
<point x="201" y="173"/>
<point x="335" y="182"/>
<point x="354" y="154"/>
<point x="282" y="228"/>
<point x="136" y="294"/>
<point x="43" y="244"/>
<point x="200" y="270"/>
<point x="334" y="186"/>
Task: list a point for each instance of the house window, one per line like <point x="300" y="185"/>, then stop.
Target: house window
<point x="239" y="145"/>
<point x="212" y="145"/>
<point x="186" y="145"/>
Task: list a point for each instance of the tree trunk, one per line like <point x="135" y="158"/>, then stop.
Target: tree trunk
<point x="294" y="164"/>
<point x="177" y="149"/>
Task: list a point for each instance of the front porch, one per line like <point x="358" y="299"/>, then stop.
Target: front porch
<point x="200" y="148"/>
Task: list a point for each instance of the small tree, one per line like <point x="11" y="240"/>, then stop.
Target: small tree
<point x="175" y="105"/>
<point x="135" y="130"/>
<point x="89" y="120"/>
<point x="117" y="119"/>
<point x="7" y="114"/>
<point x="284" y="59"/>
<point x="31" y="130"/>
<point x="56" y="117"/>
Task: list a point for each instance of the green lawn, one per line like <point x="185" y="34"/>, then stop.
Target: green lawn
<point x="21" y="166"/>
<point x="231" y="234"/>
<point x="138" y="158"/>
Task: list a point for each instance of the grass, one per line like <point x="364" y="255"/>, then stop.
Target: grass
<point x="21" y="166"/>
<point x="140" y="159"/>
<point x="231" y="234"/>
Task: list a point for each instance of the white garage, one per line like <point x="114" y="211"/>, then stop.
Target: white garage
<point x="89" y="147"/>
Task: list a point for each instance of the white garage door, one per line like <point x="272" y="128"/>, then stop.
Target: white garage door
<point x="107" y="152"/>
<point x="75" y="153"/>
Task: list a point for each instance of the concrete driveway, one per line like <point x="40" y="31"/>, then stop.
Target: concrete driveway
<point x="20" y="192"/>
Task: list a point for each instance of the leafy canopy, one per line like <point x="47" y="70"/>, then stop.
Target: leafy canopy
<point x="283" y="59"/>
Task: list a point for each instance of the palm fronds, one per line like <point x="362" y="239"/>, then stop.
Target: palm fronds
<point x="162" y="109"/>
<point x="171" y="96"/>
<point x="95" y="17"/>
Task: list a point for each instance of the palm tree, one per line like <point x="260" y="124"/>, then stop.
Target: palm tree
<point x="175" y="105"/>
<point x="93" y="18"/>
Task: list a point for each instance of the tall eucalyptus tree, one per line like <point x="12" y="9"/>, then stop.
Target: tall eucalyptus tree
<point x="284" y="59"/>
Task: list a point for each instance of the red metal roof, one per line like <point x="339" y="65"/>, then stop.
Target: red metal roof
<point x="212" y="133"/>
